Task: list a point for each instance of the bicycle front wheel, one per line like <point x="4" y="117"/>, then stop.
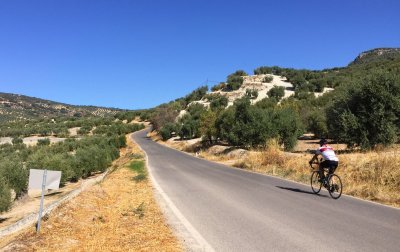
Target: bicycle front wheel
<point x="315" y="184"/>
<point x="335" y="186"/>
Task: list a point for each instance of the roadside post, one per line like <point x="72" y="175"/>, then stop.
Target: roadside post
<point x="43" y="179"/>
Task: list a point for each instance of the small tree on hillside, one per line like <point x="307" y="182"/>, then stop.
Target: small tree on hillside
<point x="17" y="140"/>
<point x="167" y="130"/>
<point x="235" y="80"/>
<point x="252" y="93"/>
<point x="268" y="79"/>
<point x="5" y="196"/>
<point x="276" y="92"/>
<point x="207" y="125"/>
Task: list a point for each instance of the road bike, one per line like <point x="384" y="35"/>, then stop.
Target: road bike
<point x="331" y="182"/>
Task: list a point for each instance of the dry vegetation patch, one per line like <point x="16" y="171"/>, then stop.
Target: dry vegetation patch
<point x="118" y="214"/>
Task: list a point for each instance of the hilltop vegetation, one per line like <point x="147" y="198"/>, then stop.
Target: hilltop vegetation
<point x="20" y="107"/>
<point x="363" y="111"/>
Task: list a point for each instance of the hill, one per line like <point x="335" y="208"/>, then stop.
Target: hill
<point x="18" y="107"/>
<point x="283" y="103"/>
<point x="376" y="55"/>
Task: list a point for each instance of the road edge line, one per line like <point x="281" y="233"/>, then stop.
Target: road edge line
<point x="205" y="246"/>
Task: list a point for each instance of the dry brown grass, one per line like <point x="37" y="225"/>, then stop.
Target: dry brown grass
<point x="118" y="214"/>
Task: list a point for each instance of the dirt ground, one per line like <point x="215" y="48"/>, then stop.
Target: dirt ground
<point x="118" y="214"/>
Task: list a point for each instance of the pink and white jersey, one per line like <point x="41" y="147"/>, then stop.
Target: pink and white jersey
<point x="327" y="153"/>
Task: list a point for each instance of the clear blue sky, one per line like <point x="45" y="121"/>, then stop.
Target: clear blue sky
<point x="138" y="54"/>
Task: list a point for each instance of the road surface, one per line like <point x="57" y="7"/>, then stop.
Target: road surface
<point x="236" y="210"/>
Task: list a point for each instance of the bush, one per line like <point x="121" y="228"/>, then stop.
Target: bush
<point x="252" y="93"/>
<point x="188" y="125"/>
<point x="368" y="113"/>
<point x="219" y="86"/>
<point x="245" y="125"/>
<point x="162" y="116"/>
<point x="276" y="92"/>
<point x="317" y="124"/>
<point x="251" y="126"/>
<point x="5" y="196"/>
<point x="289" y="127"/>
<point x="267" y="103"/>
<point x="167" y="130"/>
<point x="196" y="95"/>
<point x="207" y="125"/>
<point x="235" y="80"/>
<point x="17" y="140"/>
<point x="217" y="101"/>
<point x="43" y="142"/>
<point x="14" y="174"/>
<point x="268" y="79"/>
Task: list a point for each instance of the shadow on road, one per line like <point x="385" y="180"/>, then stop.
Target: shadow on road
<point x="299" y="190"/>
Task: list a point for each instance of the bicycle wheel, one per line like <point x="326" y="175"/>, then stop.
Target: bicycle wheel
<point x="334" y="186"/>
<point x="315" y="184"/>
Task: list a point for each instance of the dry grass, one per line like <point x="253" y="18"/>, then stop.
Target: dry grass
<point x="119" y="214"/>
<point x="374" y="175"/>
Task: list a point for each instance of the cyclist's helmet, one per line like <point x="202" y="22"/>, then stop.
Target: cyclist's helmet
<point x="323" y="141"/>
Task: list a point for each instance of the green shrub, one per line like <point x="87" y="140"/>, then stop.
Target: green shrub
<point x="267" y="103"/>
<point x="217" y="101"/>
<point x="251" y="126"/>
<point x="167" y="130"/>
<point x="317" y="124"/>
<point x="268" y="79"/>
<point x="235" y="80"/>
<point x="137" y="166"/>
<point x="367" y="114"/>
<point x="140" y="177"/>
<point x="207" y="125"/>
<point x="252" y="93"/>
<point x="189" y="124"/>
<point x="289" y="127"/>
<point x="17" y="140"/>
<point x="5" y="196"/>
<point x="277" y="92"/>
<point x="43" y="142"/>
<point x="219" y="86"/>
<point x="14" y="174"/>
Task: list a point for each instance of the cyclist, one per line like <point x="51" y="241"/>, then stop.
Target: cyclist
<point x="330" y="159"/>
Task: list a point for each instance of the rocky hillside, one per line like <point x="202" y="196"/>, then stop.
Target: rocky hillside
<point x="17" y="107"/>
<point x="258" y="83"/>
<point x="376" y="55"/>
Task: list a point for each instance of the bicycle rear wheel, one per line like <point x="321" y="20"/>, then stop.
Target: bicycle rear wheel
<point x="335" y="186"/>
<point x="315" y="184"/>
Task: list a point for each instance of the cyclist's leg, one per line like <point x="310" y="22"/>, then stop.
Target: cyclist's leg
<point x="332" y="167"/>
<point x="322" y="165"/>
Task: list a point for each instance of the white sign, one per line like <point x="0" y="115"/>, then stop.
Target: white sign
<point x="36" y="179"/>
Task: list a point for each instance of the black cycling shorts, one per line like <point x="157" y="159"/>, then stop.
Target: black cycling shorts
<point x="332" y="165"/>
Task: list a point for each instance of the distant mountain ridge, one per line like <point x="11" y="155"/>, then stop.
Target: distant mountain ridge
<point x="19" y="107"/>
<point x="377" y="54"/>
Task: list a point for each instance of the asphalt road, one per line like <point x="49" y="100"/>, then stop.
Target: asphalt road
<point x="235" y="210"/>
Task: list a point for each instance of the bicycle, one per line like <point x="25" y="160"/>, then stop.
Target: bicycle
<point x="331" y="182"/>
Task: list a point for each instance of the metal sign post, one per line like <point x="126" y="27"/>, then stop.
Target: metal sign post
<point x="41" y="201"/>
<point x="43" y="179"/>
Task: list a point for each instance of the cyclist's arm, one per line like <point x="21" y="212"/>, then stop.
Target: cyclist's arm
<point x="315" y="157"/>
